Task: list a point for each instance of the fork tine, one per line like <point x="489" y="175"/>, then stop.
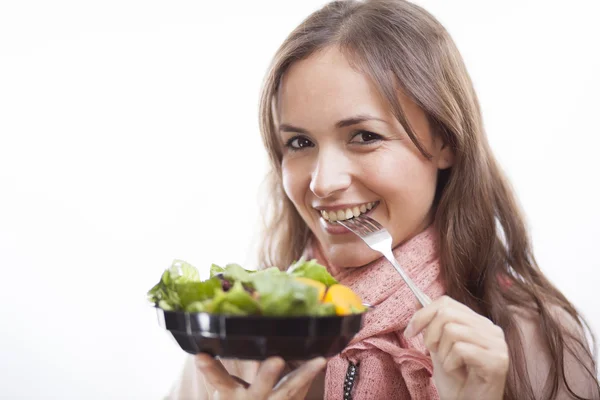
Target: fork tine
<point x="362" y="228"/>
<point x="361" y="225"/>
<point x="349" y="226"/>
<point x="374" y="225"/>
<point x="348" y="223"/>
<point x="369" y="228"/>
<point x="354" y="227"/>
<point x="374" y="222"/>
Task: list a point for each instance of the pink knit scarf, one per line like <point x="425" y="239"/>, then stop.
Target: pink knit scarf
<point x="388" y="365"/>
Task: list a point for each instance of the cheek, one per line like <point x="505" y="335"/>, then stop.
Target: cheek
<point x="294" y="180"/>
<point x="287" y="179"/>
<point x="399" y="178"/>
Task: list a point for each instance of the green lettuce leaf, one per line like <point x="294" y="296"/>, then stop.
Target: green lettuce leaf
<point x="234" y="272"/>
<point x="312" y="270"/>
<point x="282" y="295"/>
<point x="165" y="294"/>
<point x="231" y="309"/>
<point x="215" y="270"/>
<point x="158" y="291"/>
<point x="190" y="292"/>
<point x="236" y="301"/>
<point x="196" y="307"/>
<point x="165" y="305"/>
<point x="182" y="272"/>
<point x="272" y="271"/>
<point x="323" y="310"/>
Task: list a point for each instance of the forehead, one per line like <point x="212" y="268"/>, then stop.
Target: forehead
<point x="324" y="88"/>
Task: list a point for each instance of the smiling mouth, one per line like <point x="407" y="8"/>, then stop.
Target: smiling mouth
<point x="348" y="213"/>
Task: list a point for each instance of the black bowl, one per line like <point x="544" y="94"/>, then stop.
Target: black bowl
<point x="256" y="337"/>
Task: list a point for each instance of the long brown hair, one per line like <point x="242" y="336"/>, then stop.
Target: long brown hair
<point x="481" y="231"/>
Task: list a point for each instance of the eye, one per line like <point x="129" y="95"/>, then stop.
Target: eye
<point x="298" y="143"/>
<point x="365" y="137"/>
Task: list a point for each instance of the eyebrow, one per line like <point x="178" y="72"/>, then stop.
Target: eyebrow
<point x="340" y="124"/>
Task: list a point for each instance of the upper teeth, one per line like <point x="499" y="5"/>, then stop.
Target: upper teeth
<point x="341" y="215"/>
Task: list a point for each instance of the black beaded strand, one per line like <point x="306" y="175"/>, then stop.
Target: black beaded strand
<point x="351" y="375"/>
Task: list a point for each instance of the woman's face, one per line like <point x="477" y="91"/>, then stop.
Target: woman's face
<point x="344" y="151"/>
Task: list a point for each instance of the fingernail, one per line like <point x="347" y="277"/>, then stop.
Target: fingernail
<point x="200" y="363"/>
<point x="201" y="360"/>
<point x="319" y="362"/>
<point x="276" y="363"/>
<point x="409" y="331"/>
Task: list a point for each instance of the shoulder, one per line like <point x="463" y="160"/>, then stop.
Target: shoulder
<point x="537" y="357"/>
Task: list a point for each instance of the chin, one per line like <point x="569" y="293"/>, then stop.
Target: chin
<point x="351" y="255"/>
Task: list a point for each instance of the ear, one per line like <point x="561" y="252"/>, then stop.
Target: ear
<point x="445" y="157"/>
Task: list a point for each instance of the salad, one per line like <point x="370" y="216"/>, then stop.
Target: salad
<point x="305" y="289"/>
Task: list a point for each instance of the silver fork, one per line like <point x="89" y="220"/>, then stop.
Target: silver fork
<point x="379" y="239"/>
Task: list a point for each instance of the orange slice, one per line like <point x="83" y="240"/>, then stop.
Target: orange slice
<point x="344" y="299"/>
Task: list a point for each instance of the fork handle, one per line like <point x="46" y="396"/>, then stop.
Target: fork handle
<point x="421" y="297"/>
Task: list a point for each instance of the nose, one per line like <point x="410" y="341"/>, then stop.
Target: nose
<point x="330" y="176"/>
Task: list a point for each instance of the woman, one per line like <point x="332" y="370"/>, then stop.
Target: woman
<point x="368" y="107"/>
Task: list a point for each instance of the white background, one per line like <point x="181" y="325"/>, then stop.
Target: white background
<point x="129" y="137"/>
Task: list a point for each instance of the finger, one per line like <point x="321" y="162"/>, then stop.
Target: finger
<point x="457" y="354"/>
<point x="422" y="318"/>
<point x="443" y="317"/>
<point x="215" y="373"/>
<point x="267" y="376"/>
<point x="490" y="337"/>
<point x="299" y="370"/>
<point x="241" y="382"/>
<point x="487" y="363"/>
<point x="295" y="382"/>
<point x="455" y="332"/>
<point x="303" y="391"/>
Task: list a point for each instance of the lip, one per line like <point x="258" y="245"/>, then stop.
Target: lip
<point x="342" y="206"/>
<point x="336" y="229"/>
